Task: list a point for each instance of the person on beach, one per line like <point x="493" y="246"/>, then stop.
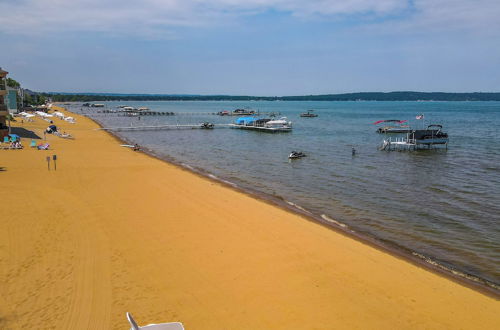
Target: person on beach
<point x="136" y="147"/>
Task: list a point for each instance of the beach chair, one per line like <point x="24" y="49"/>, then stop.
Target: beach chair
<point x="161" y="326"/>
<point x="33" y="144"/>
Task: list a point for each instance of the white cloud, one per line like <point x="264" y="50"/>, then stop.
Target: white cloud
<point x="462" y="16"/>
<point x="160" y="18"/>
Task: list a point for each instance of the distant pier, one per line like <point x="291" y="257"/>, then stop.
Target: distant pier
<point x="165" y="127"/>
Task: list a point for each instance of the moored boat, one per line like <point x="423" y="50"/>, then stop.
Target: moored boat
<point x="433" y="134"/>
<point x="418" y="138"/>
<point x="308" y="114"/>
<point x="237" y="112"/>
<point x="393" y="126"/>
<point x="263" y="124"/>
<point x="207" y="125"/>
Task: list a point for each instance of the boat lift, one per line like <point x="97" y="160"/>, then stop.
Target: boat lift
<point x="407" y="144"/>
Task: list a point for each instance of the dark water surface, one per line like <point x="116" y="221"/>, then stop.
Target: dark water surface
<point x="443" y="204"/>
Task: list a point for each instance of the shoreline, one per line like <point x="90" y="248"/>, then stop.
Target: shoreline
<point x="114" y="231"/>
<point x="426" y="262"/>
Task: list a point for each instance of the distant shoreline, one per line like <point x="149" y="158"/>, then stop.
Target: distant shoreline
<point x="364" y="96"/>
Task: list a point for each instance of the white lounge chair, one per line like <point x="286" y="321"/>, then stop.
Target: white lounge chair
<point x="161" y="326"/>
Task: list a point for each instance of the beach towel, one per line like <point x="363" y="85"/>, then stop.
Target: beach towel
<point x="44" y="146"/>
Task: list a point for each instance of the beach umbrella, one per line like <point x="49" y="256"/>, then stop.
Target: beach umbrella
<point x="51" y="129"/>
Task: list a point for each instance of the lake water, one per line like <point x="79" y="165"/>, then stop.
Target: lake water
<point x="443" y="204"/>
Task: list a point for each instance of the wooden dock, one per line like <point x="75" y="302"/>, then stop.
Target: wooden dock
<point x="163" y="127"/>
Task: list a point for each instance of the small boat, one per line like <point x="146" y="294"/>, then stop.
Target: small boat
<point x="143" y="109"/>
<point x="237" y="112"/>
<point x="431" y="135"/>
<point x="296" y="154"/>
<point x="395" y="126"/>
<point x="243" y="112"/>
<point x="416" y="139"/>
<point x="281" y="123"/>
<point x="263" y="124"/>
<point x="308" y="114"/>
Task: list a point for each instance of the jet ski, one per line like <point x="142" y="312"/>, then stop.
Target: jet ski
<point x="296" y="154"/>
<point x="207" y="125"/>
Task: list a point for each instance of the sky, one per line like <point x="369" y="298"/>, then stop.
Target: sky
<point x="251" y="47"/>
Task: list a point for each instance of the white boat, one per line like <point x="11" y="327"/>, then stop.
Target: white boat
<point x="281" y="123"/>
<point x="263" y="124"/>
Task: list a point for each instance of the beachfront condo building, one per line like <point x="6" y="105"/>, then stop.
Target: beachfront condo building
<point x="4" y="130"/>
<point x="11" y="99"/>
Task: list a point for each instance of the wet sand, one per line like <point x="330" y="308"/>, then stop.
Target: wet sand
<point x="113" y="230"/>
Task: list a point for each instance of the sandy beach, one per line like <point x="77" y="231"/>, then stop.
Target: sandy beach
<point x="114" y="231"/>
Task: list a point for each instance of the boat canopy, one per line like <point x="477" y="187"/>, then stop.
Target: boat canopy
<point x="390" y="121"/>
<point x="245" y="120"/>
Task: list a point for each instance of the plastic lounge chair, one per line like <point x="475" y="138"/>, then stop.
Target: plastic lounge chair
<point x="33" y="144"/>
<point x="161" y="326"/>
<point x="16" y="145"/>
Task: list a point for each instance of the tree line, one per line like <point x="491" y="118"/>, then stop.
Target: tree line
<point x="364" y="96"/>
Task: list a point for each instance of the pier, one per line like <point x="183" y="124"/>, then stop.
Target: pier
<point x="165" y="127"/>
<point x="136" y="113"/>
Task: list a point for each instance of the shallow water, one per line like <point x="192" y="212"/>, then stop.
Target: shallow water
<point x="444" y="204"/>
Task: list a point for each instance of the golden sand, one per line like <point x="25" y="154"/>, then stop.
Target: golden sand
<point x="113" y="230"/>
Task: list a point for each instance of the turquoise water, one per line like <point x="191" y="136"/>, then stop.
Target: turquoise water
<point x="443" y="204"/>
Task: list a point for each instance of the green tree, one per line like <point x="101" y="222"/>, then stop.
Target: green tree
<point x="28" y="100"/>
<point x="12" y="83"/>
<point x="41" y="99"/>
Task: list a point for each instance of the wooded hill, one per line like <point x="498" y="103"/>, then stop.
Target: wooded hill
<point x="363" y="96"/>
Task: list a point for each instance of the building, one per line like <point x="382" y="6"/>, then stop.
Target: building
<point x="4" y="129"/>
<point x="11" y="99"/>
